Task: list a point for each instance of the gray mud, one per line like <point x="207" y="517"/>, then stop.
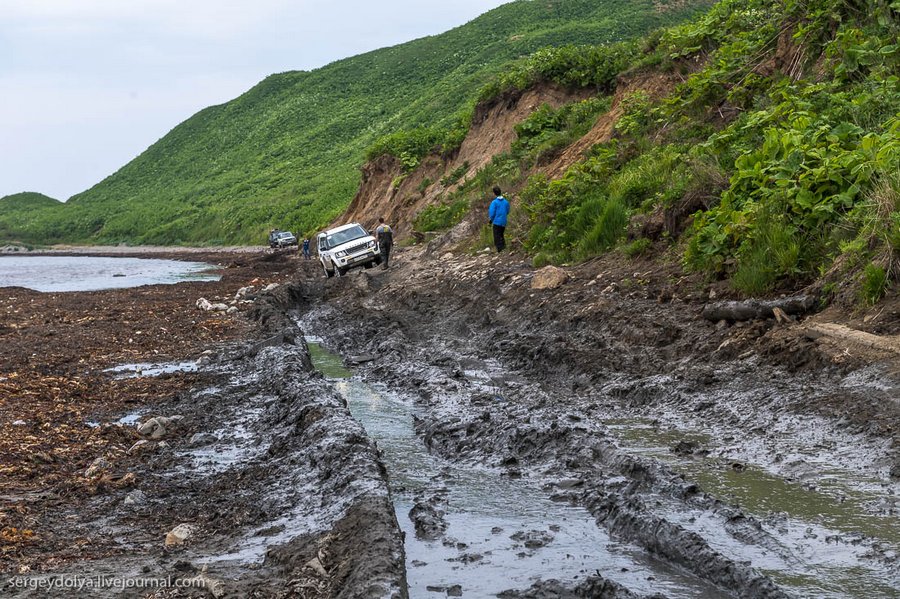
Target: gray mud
<point x="282" y="489"/>
<point x="724" y="468"/>
<point x="483" y="532"/>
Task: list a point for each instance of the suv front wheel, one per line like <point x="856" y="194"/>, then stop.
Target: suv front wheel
<point x="328" y="273"/>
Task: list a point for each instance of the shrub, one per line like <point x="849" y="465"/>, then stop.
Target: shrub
<point x="874" y="284"/>
<point x="541" y="259"/>
<point x="638" y="247"/>
<point x="441" y="217"/>
<point x="426" y="182"/>
<point x="455" y="175"/>
<point x="569" y="66"/>
<point x="635" y="113"/>
<point x="773" y="253"/>
<point x="606" y="230"/>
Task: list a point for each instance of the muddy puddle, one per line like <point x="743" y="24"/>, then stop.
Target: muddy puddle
<point x="148" y="369"/>
<point x="499" y="533"/>
<point x="841" y="527"/>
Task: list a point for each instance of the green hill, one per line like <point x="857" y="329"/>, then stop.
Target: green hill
<point x="27" y="201"/>
<point x="286" y="153"/>
<point x="23" y="209"/>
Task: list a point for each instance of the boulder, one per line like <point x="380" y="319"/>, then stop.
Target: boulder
<point x="207" y="306"/>
<point x="140" y="447"/>
<point x="136" y="497"/>
<point x="158" y="427"/>
<point x="243" y="292"/>
<point x="549" y="277"/>
<point x="180" y="534"/>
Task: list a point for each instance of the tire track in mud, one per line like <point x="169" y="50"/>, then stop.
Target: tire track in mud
<point x="279" y="487"/>
<point x="430" y="337"/>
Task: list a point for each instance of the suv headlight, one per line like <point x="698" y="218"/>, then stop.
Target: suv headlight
<point x="340" y="254"/>
<point x="372" y="245"/>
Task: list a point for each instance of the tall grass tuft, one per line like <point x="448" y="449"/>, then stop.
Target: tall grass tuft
<point x="607" y="229"/>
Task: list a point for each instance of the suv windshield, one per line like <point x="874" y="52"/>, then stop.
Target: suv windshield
<point x="343" y="237"/>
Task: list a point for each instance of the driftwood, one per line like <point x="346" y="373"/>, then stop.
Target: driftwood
<point x="758" y="309"/>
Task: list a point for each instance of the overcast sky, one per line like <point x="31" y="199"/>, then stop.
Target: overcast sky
<point x="87" y="85"/>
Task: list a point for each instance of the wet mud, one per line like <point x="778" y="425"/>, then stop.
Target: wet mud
<point x="245" y="475"/>
<point x="441" y="429"/>
<point x="693" y="442"/>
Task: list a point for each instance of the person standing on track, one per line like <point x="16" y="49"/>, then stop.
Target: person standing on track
<point x="497" y="214"/>
<point x="385" y="236"/>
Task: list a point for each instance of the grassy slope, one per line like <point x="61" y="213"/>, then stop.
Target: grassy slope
<point x="22" y="207"/>
<point x="773" y="164"/>
<point x="286" y="153"/>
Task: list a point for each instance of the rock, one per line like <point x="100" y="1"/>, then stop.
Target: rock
<point x="198" y="439"/>
<point x="685" y="447"/>
<point x="213" y="586"/>
<point x="231" y="310"/>
<point x="428" y="520"/>
<point x="533" y="538"/>
<point x="97" y="468"/>
<point x="180" y="534"/>
<point x="315" y="564"/>
<point x="140" y="447"/>
<point x="454" y="591"/>
<point x="207" y="306"/>
<point x="19" y="423"/>
<point x="271" y="287"/>
<point x="136" y="497"/>
<point x="549" y="277"/>
<point x="158" y="426"/>
<point x="243" y="292"/>
<point x="361" y="359"/>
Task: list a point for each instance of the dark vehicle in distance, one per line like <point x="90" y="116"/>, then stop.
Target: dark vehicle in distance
<point x="280" y="239"/>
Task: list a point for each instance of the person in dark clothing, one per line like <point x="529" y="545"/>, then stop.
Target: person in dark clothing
<point x="385" y="236"/>
<point x="497" y="216"/>
<point x="306" y="248"/>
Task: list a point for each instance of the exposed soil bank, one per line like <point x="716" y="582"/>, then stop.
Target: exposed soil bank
<point x="252" y="480"/>
<point x="557" y="386"/>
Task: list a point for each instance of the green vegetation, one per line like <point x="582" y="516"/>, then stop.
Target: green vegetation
<point x="783" y="142"/>
<point x="455" y="175"/>
<point x="287" y="152"/>
<point x="638" y="247"/>
<point x="22" y="208"/>
<point x="546" y="132"/>
<point x="438" y="217"/>
<point x="874" y="284"/>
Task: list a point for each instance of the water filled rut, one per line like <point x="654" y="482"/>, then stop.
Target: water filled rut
<point x="501" y="533"/>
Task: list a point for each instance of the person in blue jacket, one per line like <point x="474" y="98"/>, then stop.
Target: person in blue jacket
<point x="497" y="214"/>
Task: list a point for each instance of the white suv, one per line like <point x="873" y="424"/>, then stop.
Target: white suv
<point x="346" y="247"/>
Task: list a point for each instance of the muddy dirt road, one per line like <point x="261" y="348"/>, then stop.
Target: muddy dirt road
<point x="439" y="429"/>
<point x="747" y="457"/>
